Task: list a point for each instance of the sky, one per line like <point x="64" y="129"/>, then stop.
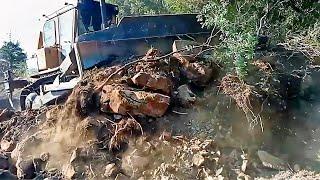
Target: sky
<point x="21" y="19"/>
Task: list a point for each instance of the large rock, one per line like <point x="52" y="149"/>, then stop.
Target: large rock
<point x="197" y="72"/>
<point x="185" y="56"/>
<point x="5" y="114"/>
<point x="69" y="171"/>
<point x="4" y="163"/>
<point x="271" y="161"/>
<point x="185" y="96"/>
<point x="122" y="102"/>
<point x="7" y="146"/>
<point x="153" y="82"/>
<point x="198" y="160"/>
<point x="111" y="170"/>
<point x="6" y="175"/>
<point x="133" y="164"/>
<point x="29" y="169"/>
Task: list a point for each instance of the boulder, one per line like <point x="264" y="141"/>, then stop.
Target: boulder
<point x="75" y="155"/>
<point x="186" y="56"/>
<point x="4" y="163"/>
<point x="153" y="82"/>
<point x="271" y="161"/>
<point x="111" y="170"/>
<point x="185" y="96"/>
<point x="198" y="160"/>
<point x="5" y="114"/>
<point x="45" y="156"/>
<point x="69" y="171"/>
<point x="6" y="175"/>
<point x="134" y="102"/>
<point x="29" y="169"/>
<point x="197" y="72"/>
<point x="134" y="164"/>
<point x="7" y="146"/>
<point x="121" y="176"/>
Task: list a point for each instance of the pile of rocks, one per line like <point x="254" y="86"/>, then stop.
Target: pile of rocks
<point x="145" y="89"/>
<point x="149" y="87"/>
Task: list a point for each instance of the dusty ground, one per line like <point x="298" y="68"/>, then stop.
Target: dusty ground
<point x="172" y="118"/>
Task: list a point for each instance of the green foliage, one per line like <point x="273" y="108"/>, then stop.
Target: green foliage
<point x="13" y="53"/>
<point x="138" y="7"/>
<point x="21" y="69"/>
<point x="242" y="21"/>
<point x="185" y="6"/>
<point x="289" y="17"/>
<point x="237" y="22"/>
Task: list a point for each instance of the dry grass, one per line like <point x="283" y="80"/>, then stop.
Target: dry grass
<point x="238" y="90"/>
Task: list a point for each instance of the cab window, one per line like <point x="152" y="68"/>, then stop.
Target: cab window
<point x="49" y="33"/>
<point x="66" y="31"/>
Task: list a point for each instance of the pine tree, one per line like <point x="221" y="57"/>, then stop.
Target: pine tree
<point x="12" y="52"/>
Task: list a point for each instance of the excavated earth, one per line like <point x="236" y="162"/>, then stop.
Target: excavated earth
<point x="174" y="117"/>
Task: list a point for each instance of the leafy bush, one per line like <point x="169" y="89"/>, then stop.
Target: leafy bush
<point x="185" y="6"/>
<point x="138" y="7"/>
<point x="242" y="21"/>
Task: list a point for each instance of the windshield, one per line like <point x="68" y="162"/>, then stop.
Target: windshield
<point x="49" y="30"/>
<point x="89" y="16"/>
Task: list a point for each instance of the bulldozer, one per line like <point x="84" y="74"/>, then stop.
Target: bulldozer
<point x="88" y="34"/>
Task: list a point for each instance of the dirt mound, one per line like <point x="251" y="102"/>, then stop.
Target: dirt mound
<point x="159" y="117"/>
<point x="105" y="110"/>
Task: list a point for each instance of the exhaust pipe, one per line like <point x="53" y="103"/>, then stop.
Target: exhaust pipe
<point x="103" y="14"/>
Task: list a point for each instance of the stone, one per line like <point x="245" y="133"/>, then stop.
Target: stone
<point x="134" y="164"/>
<point x="7" y="146"/>
<point x="198" y="73"/>
<point x="122" y="177"/>
<point x="4" y="163"/>
<point x="198" y="160"/>
<point x="111" y="170"/>
<point x="151" y="54"/>
<point x="134" y="102"/>
<point x="117" y="117"/>
<point x="74" y="156"/>
<point x="271" y="161"/>
<point x="296" y="167"/>
<point x="185" y="96"/>
<point x="6" y="175"/>
<point x="28" y="169"/>
<point x="15" y="154"/>
<point x="186" y="56"/>
<point x="153" y="82"/>
<point x="5" y="114"/>
<point x="69" y="171"/>
<point x="45" y="156"/>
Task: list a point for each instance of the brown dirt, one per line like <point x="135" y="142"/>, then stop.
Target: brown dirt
<point x="210" y="139"/>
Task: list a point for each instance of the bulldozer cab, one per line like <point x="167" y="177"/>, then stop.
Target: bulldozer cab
<point x="64" y="26"/>
<point x="55" y="40"/>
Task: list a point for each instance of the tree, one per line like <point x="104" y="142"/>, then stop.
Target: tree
<point x="13" y="53"/>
